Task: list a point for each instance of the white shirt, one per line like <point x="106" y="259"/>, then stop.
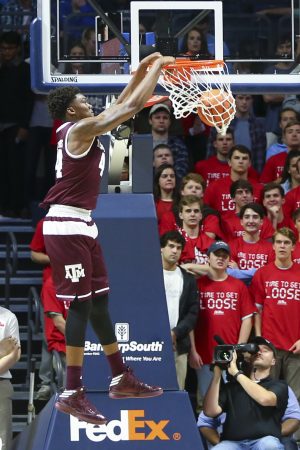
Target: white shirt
<point x="173" y="281"/>
<point x="8" y="327"/>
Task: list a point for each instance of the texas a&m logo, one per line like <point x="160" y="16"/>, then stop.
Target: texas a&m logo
<point x="74" y="272"/>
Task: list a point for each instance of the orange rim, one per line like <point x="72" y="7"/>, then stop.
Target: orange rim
<point x="190" y="64"/>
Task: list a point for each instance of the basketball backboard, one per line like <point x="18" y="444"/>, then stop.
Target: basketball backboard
<point x="259" y="41"/>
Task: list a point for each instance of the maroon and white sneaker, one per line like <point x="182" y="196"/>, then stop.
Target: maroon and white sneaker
<point x="127" y="385"/>
<point x="76" y="403"/>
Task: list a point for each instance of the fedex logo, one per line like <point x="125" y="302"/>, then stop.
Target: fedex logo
<point x="132" y="426"/>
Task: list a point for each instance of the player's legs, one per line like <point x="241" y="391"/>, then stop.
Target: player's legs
<point x="72" y="274"/>
<point x="124" y="383"/>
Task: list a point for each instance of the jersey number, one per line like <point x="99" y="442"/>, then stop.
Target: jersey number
<point x="102" y="164"/>
<point x="59" y="158"/>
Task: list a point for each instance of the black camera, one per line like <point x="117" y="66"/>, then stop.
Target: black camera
<point x="223" y="353"/>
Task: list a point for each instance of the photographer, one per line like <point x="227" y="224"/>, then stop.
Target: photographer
<point x="210" y="428"/>
<point x="254" y="405"/>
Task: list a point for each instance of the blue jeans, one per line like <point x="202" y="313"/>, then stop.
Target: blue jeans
<point x="265" y="443"/>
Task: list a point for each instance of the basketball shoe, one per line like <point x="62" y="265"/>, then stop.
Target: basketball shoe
<point x="77" y="404"/>
<point x="127" y="385"/>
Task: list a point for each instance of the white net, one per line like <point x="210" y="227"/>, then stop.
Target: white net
<point x="200" y="90"/>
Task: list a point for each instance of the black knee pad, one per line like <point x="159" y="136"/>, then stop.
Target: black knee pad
<point x="101" y="321"/>
<point x="77" y="319"/>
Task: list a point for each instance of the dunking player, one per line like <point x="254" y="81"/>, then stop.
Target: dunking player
<point x="70" y="234"/>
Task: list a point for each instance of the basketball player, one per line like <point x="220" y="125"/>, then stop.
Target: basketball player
<point x="70" y="234"/>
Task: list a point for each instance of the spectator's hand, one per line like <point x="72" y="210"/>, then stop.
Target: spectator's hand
<point x="295" y="348"/>
<point x="195" y="360"/>
<point x="274" y="210"/>
<point x="22" y="135"/>
<point x="233" y="265"/>
<point x="8" y="345"/>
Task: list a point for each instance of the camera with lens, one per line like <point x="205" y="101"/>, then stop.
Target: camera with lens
<point x="223" y="353"/>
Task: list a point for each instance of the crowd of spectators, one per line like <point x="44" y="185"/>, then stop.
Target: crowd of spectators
<point x="241" y="188"/>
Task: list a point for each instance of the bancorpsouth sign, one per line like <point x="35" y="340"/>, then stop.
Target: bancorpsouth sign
<point x="134" y="425"/>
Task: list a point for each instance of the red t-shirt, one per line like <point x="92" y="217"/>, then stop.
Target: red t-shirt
<point x="292" y="201"/>
<point x="232" y="228"/>
<point x="195" y="249"/>
<point x="213" y="169"/>
<point x="55" y="338"/>
<point x="210" y="224"/>
<point x="37" y="244"/>
<point x="223" y="306"/>
<point x="277" y="291"/>
<point x="217" y="195"/>
<point x="162" y="207"/>
<point x="273" y="168"/>
<point x="251" y="255"/>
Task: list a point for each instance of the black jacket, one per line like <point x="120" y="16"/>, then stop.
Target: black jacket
<point x="188" y="312"/>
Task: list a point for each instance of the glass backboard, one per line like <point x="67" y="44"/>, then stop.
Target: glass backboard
<point x="97" y="47"/>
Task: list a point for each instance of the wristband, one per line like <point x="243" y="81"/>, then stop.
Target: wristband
<point x="237" y="374"/>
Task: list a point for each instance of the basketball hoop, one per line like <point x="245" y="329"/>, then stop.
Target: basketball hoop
<point x="197" y="87"/>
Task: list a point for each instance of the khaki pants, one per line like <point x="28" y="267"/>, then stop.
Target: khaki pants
<point x="6" y="393"/>
<point x="181" y="368"/>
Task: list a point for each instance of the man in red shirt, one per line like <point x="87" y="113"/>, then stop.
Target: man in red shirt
<point x="216" y="167"/>
<point x="275" y="289"/>
<point x="55" y="312"/>
<point x="249" y="252"/>
<point x="274" y="166"/>
<point x="226" y="310"/>
<point x="241" y="191"/>
<point x="273" y="201"/>
<point x="292" y="198"/>
<point x="192" y="184"/>
<point x="217" y="195"/>
<point x="196" y="241"/>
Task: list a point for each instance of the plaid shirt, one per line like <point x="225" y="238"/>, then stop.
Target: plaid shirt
<point x="258" y="141"/>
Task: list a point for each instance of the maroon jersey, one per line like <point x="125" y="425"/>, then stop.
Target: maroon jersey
<point x="77" y="176"/>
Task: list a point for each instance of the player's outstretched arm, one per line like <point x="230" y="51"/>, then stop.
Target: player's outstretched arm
<point x="138" y="76"/>
<point x="133" y="101"/>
